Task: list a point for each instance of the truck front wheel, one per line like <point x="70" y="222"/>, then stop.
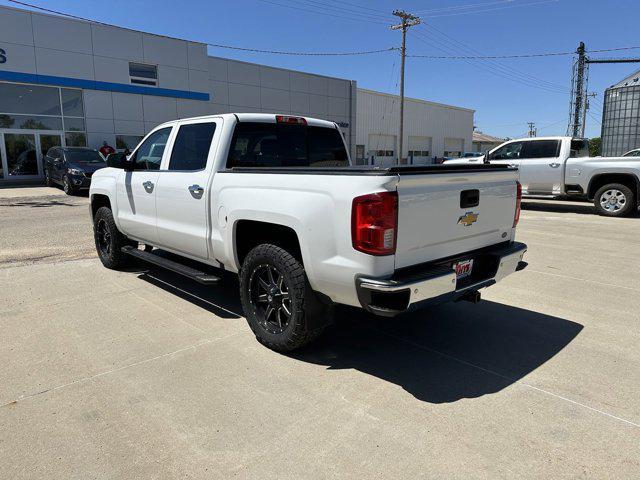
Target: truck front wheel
<point x="109" y="240"/>
<point x="277" y="299"/>
<point x="614" y="200"/>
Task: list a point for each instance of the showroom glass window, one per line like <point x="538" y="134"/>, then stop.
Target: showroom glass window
<point x="36" y="107"/>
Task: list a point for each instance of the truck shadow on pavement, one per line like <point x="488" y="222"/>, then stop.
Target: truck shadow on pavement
<point x="438" y="355"/>
<point x="445" y="353"/>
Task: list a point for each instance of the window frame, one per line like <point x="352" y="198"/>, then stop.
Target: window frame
<point x="144" y="81"/>
<point x="174" y="137"/>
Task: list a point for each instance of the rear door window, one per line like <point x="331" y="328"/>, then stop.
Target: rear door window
<point x="256" y="144"/>
<point x="579" y="148"/>
<point x="541" y="149"/>
<point x="191" y="147"/>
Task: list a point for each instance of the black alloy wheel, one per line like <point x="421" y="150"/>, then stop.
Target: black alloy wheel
<point x="270" y="298"/>
<point x="103" y="238"/>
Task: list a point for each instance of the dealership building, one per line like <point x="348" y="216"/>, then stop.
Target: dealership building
<point x="77" y="83"/>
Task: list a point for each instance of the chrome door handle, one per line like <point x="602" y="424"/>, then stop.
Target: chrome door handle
<point x="554" y="165"/>
<point x="148" y="186"/>
<point x="196" y="191"/>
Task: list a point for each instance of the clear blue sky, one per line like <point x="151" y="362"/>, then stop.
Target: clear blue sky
<point x="503" y="106"/>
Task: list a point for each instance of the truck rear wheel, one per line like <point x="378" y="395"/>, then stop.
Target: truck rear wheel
<point x="614" y="200"/>
<point x="109" y="240"/>
<point x="277" y="300"/>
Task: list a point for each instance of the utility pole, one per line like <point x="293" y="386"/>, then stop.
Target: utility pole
<point x="532" y="129"/>
<point x="578" y="91"/>
<point x="408" y="20"/>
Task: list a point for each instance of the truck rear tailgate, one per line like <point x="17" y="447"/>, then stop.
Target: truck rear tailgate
<point x="438" y="216"/>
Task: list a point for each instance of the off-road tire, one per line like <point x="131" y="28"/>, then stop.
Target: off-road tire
<point x="113" y="257"/>
<point x="301" y="329"/>
<point x="630" y="200"/>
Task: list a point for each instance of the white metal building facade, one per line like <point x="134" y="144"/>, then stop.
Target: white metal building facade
<point x="430" y="129"/>
<point x="76" y="83"/>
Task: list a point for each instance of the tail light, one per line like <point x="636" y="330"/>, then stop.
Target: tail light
<point x="290" y="120"/>
<point x="374" y="223"/>
<point x="516" y="217"/>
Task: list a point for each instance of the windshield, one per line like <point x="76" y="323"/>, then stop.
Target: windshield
<point x="257" y="144"/>
<point x="84" y="156"/>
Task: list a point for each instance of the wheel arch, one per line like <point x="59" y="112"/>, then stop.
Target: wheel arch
<point x="597" y="181"/>
<point x="99" y="200"/>
<point x="248" y="234"/>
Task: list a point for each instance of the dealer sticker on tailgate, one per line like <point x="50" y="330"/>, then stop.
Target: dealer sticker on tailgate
<point x="463" y="268"/>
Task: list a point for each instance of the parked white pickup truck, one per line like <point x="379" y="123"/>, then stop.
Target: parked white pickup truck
<point x="274" y="199"/>
<point x="561" y="166"/>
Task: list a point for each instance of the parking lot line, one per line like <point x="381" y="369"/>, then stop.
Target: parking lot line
<point x="583" y="280"/>
<point x="123" y="367"/>
<point x="506" y="377"/>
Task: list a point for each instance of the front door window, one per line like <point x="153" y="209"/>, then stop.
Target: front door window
<point x="22" y="157"/>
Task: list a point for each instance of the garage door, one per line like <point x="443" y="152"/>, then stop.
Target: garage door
<point x="453" y="147"/>
<point x="419" y="150"/>
<point x="382" y="149"/>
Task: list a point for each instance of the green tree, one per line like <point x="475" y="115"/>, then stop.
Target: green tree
<point x="594" y="146"/>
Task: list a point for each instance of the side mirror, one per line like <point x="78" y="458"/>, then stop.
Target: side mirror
<point x="119" y="160"/>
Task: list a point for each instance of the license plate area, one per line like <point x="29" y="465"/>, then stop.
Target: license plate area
<point x="463" y="268"/>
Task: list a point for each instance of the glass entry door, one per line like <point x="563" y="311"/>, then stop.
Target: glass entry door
<point x="23" y="153"/>
<point x="20" y="155"/>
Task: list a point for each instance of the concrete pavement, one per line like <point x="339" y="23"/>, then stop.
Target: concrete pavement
<point x="143" y="374"/>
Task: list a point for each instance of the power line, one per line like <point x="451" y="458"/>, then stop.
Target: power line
<point x="492" y="9"/>
<point x="316" y="54"/>
<point x="488" y="57"/>
<point x="499" y="71"/>
<point x="508" y="70"/>
<point x="340" y="2"/>
<point x="215" y="45"/>
<point x="462" y="7"/>
<point x="343" y="17"/>
<point x="346" y="10"/>
<point x="522" y="55"/>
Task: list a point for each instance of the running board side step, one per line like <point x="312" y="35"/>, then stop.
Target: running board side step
<point x="167" y="264"/>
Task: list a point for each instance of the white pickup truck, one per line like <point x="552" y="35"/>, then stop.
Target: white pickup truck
<point x="275" y="199"/>
<point x="561" y="166"/>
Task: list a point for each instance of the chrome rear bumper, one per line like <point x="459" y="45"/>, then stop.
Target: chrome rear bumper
<point x="436" y="282"/>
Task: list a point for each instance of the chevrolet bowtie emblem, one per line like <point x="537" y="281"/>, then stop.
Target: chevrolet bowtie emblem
<point x="468" y="219"/>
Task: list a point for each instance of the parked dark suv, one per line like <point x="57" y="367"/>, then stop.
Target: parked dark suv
<point x="71" y="167"/>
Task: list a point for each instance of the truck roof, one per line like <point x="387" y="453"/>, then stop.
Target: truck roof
<point x="259" y="117"/>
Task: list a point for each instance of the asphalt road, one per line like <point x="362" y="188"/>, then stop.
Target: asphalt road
<point x="142" y="374"/>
